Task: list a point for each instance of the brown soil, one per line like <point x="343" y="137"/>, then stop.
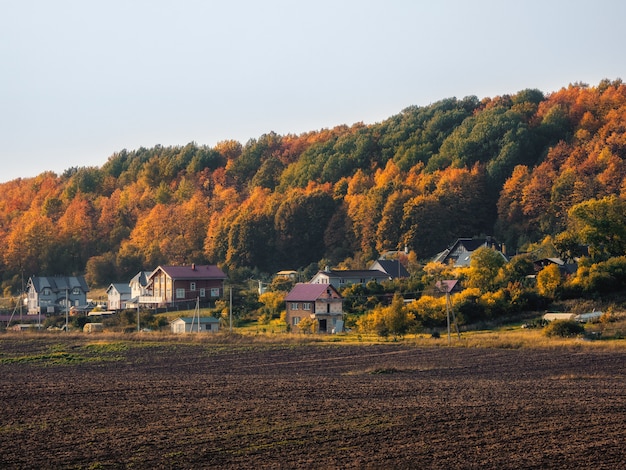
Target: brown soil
<point x="73" y="404"/>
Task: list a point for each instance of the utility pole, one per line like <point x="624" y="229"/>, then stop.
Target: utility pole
<point x="230" y="309"/>
<point x="67" y="310"/>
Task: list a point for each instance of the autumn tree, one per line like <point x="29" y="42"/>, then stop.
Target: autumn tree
<point x="483" y="270"/>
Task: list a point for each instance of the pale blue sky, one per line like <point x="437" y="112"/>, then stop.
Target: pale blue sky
<point x="82" y="79"/>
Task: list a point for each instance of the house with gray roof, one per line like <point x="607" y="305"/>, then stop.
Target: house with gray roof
<point x="195" y="325"/>
<point x="50" y="295"/>
<point x="340" y="278"/>
<point x="459" y="254"/>
<point x="393" y="268"/>
<point x="118" y="296"/>
<point x="320" y="302"/>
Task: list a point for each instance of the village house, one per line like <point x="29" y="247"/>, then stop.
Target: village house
<point x="340" y="278"/>
<point x="459" y="254"/>
<point x="320" y="302"/>
<point x="50" y="295"/>
<point x="566" y="269"/>
<point x="393" y="268"/>
<point x="118" y="296"/>
<point x="139" y="286"/>
<point x="195" y="325"/>
<point x="169" y="285"/>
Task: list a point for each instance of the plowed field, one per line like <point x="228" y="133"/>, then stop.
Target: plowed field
<point x="79" y="403"/>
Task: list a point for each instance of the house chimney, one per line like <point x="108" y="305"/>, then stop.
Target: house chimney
<point x="193" y="266"/>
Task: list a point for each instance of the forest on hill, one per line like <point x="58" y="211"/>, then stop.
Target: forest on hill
<point x="524" y="168"/>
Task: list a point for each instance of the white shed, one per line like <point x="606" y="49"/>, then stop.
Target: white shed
<point x="195" y="325"/>
<point x="559" y="316"/>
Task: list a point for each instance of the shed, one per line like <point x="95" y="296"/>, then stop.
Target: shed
<point x="551" y="316"/>
<point x="195" y="325"/>
<point x="93" y="327"/>
<point x="588" y="317"/>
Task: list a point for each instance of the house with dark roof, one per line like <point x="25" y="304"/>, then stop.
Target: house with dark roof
<point x="566" y="269"/>
<point x="320" y="302"/>
<point x="393" y="268"/>
<point x="340" y="278"/>
<point x="459" y="254"/>
<point x="51" y="295"/>
<point x="171" y="284"/>
<point x="118" y="296"/>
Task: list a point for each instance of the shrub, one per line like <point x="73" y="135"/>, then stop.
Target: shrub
<point x="564" y="328"/>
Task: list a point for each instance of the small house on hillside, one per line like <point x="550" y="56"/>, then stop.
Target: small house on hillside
<point x="341" y="278"/>
<point x="451" y="286"/>
<point x="118" y="295"/>
<point x="460" y="252"/>
<point x="393" y="268"/>
<point x="566" y="269"/>
<point x="55" y="294"/>
<point x="195" y="325"/>
<point x="320" y="302"/>
<point x="171" y="284"/>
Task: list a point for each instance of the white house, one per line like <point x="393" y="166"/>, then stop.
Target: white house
<point x="118" y="295"/>
<point x="195" y="325"/>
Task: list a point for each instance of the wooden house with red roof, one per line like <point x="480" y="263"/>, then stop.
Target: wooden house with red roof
<point x="320" y="302"/>
<point x="172" y="284"/>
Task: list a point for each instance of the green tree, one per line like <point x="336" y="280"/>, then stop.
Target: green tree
<point x="601" y="225"/>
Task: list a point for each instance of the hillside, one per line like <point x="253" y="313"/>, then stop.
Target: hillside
<point x="521" y="167"/>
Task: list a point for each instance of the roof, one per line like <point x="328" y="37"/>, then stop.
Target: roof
<point x="470" y="245"/>
<point x="354" y="274"/>
<point x="392" y="267"/>
<point x="59" y="283"/>
<point x="202" y="320"/>
<point x="120" y="287"/>
<point x="141" y="277"/>
<point x="446" y="286"/>
<point x="207" y="271"/>
<point x="306" y="292"/>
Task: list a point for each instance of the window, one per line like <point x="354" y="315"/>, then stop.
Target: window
<point x="180" y="293"/>
<point x="215" y="292"/>
<point x="192" y="286"/>
<point x="202" y="292"/>
<point x="76" y="291"/>
<point x="47" y="291"/>
<point x="306" y="306"/>
<point x="295" y="320"/>
<point x="294" y="306"/>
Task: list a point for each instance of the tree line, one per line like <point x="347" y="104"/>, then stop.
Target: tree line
<point x="522" y="167"/>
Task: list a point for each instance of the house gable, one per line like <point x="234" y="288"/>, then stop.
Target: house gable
<point x="392" y="268"/>
<point x="460" y="252"/>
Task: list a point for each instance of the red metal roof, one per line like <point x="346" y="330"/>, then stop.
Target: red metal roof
<point x="305" y="292"/>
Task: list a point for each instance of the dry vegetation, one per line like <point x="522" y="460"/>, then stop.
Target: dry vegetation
<point x="511" y="399"/>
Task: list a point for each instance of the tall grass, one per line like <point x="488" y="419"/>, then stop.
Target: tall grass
<point x="508" y="338"/>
